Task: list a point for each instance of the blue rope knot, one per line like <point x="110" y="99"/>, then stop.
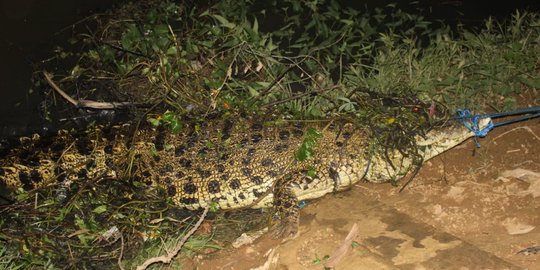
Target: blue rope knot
<point x="471" y="122"/>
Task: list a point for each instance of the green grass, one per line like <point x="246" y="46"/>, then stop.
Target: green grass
<point x="381" y="67"/>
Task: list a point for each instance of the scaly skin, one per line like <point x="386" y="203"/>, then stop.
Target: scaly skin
<point x="232" y="165"/>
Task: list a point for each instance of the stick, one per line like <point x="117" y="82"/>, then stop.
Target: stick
<point x="89" y="103"/>
<point x="167" y="259"/>
<point x="343" y="249"/>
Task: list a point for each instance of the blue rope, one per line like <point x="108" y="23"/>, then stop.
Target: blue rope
<point x="471" y="121"/>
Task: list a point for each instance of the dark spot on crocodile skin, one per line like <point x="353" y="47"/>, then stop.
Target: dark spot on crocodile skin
<point x="226" y="131"/>
<point x="256" y="127"/>
<point x="25" y="180"/>
<point x="186" y="163"/>
<point x="224" y="177"/>
<point x="297" y="133"/>
<point x="241" y="196"/>
<point x="189" y="188"/>
<point x="346" y="135"/>
<point x="298" y="125"/>
<point x="271" y="173"/>
<point x="332" y="126"/>
<point x="148" y="182"/>
<point x="224" y="157"/>
<point x="213" y="187"/>
<point x="180" y="150"/>
<point x="203" y="151"/>
<point x="267" y="162"/>
<point x="32" y="161"/>
<point x="82" y="173"/>
<point x="167" y="180"/>
<point x="203" y="173"/>
<point x="91" y="163"/>
<point x="234" y="184"/>
<point x="157" y="158"/>
<point x="189" y="200"/>
<point x="257" y="180"/>
<point x="287" y="204"/>
<point x="256" y="138"/>
<point x="308" y="180"/>
<point x="246" y="161"/>
<point x="280" y="148"/>
<point x="334" y="175"/>
<point x="251" y="152"/>
<point x="108" y="149"/>
<point x="146" y="174"/>
<point x="58" y="147"/>
<point x="59" y="174"/>
<point x="179" y="174"/>
<point x="109" y="162"/>
<point x="171" y="190"/>
<point x="244" y="142"/>
<point x="168" y="168"/>
<point x="246" y="171"/>
<point x="257" y="194"/>
<point x="159" y="140"/>
<point x="84" y="146"/>
<point x="235" y="200"/>
<point x="220" y="168"/>
<point x="191" y="141"/>
<point x="353" y="156"/>
<point x="339" y="144"/>
<point x="284" y="135"/>
<point x="35" y="176"/>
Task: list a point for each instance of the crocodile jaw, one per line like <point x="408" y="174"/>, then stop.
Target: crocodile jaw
<point x="434" y="143"/>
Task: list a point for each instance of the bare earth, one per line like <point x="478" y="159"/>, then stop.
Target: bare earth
<point x="470" y="208"/>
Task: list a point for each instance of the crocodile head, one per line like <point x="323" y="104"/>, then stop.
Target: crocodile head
<point x="432" y="144"/>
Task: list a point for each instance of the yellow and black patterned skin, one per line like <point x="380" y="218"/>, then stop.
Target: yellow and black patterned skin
<point x="230" y="163"/>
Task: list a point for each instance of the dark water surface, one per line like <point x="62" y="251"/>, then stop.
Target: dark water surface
<point x="30" y="29"/>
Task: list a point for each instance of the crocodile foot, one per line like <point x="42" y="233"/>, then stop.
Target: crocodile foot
<point x="287" y="229"/>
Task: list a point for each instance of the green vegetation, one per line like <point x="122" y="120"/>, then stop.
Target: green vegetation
<point x="394" y="71"/>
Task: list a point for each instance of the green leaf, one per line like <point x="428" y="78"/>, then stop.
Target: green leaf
<point x="306" y="149"/>
<point x="176" y="126"/>
<point x="100" y="209"/>
<point x="153" y="121"/>
<point x="224" y="22"/>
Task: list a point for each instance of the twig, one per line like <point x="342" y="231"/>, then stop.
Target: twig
<point x="89" y="103"/>
<point x="343" y="249"/>
<point x="167" y="259"/>
<point x="121" y="252"/>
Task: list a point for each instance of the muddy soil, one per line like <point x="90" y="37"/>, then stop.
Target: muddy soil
<point x="469" y="208"/>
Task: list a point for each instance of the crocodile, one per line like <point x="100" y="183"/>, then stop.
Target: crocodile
<point x="227" y="163"/>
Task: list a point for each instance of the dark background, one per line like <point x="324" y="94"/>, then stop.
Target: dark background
<point x="30" y="29"/>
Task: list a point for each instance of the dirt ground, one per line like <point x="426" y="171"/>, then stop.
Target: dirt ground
<point x="469" y="208"/>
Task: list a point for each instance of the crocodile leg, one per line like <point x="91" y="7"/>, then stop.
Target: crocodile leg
<point x="286" y="206"/>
